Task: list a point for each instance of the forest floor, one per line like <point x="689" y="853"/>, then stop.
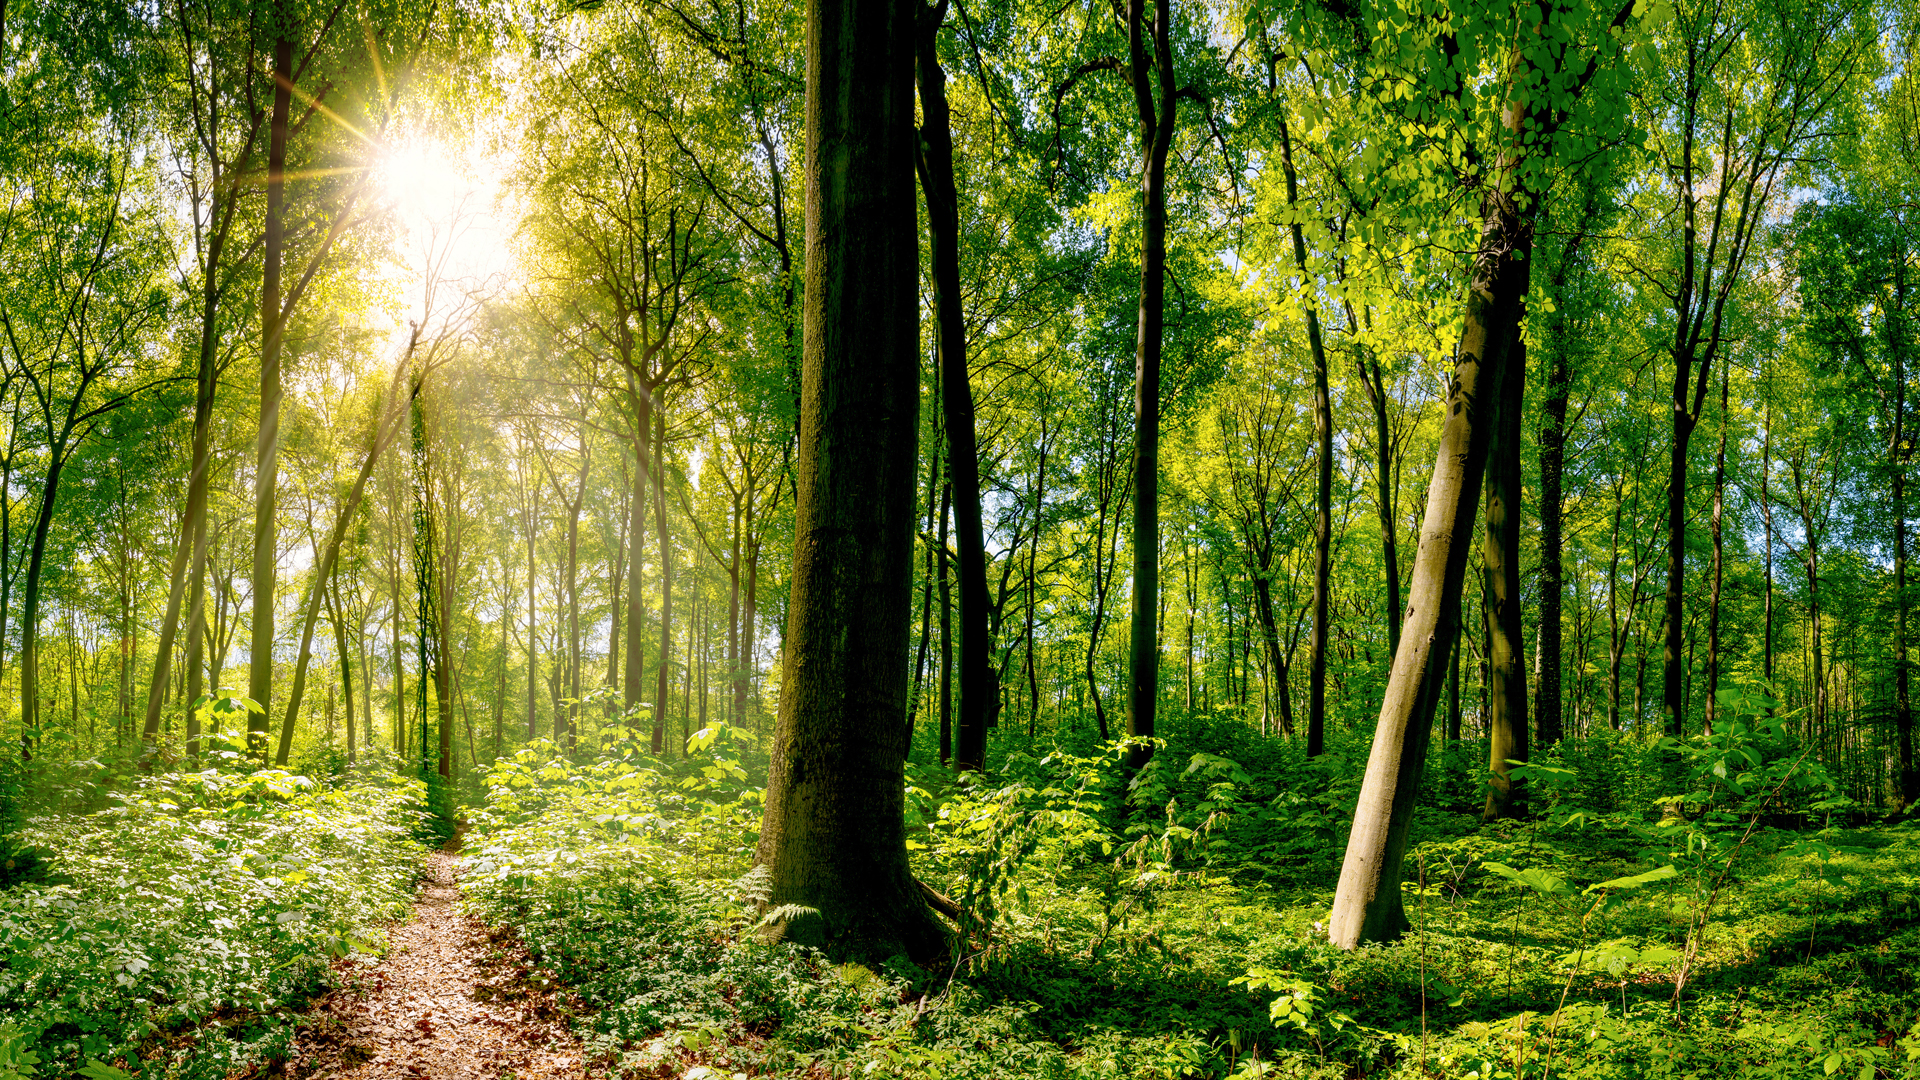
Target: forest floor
<point x="450" y="1000"/>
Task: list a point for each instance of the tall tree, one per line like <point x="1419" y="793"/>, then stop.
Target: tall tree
<point x="833" y="835"/>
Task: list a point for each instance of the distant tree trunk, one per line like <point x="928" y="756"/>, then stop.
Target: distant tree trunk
<point x="533" y="666"/>
<point x="1553" y="458"/>
<point x="337" y="618"/>
<point x="1323" y="482"/>
<point x="935" y="165"/>
<point x="1277" y="686"/>
<point x="1367" y="905"/>
<point x="946" y="631"/>
<point x="1500" y="557"/>
<point x="1766" y="516"/>
<point x="666" y="576"/>
<point x="633" y="678"/>
<point x="1713" y="601"/>
<point x="1900" y="454"/>
<point x="1383" y="489"/>
<point x="833" y="836"/>
<point x="267" y="446"/>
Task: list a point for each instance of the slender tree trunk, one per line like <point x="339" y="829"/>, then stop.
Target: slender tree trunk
<point x="1383" y="488"/>
<point x="1500" y="559"/>
<point x="330" y="553"/>
<point x="1156" y="130"/>
<point x="633" y="679"/>
<point x="267" y="446"/>
<point x="1548" y="727"/>
<point x="935" y="165"/>
<point x="1323" y="479"/>
<point x="1766" y="517"/>
<point x="1277" y="687"/>
<point x="1900" y="454"/>
<point x="833" y="835"/>
<point x="337" y="616"/>
<point x="1713" y="601"/>
<point x="666" y="576"/>
<point x="946" y="631"/>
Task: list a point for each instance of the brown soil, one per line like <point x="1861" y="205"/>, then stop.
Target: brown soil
<point x="450" y="1001"/>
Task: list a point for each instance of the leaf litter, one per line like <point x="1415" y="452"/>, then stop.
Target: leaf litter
<point x="451" y="1000"/>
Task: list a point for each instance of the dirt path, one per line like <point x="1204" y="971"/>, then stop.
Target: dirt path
<point x="440" y="1006"/>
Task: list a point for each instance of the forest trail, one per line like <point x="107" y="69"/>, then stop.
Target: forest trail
<point x="436" y="1007"/>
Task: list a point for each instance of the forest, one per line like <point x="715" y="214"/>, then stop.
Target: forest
<point x="711" y="539"/>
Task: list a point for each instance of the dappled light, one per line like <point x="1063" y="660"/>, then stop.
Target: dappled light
<point x="903" y="539"/>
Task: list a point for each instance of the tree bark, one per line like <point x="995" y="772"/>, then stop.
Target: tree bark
<point x="1367" y="905"/>
<point x="833" y="837"/>
<point x="1500" y="559"/>
<point x="977" y="692"/>
<point x="1323" y="480"/>
<point x="1383" y="489"/>
<point x="1713" y="600"/>
<point x="267" y="445"/>
<point x="666" y="577"/>
<point x="1548" y="724"/>
<point x="1156" y="117"/>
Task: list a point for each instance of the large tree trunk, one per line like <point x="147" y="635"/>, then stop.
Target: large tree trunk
<point x="833" y="837"/>
<point x="1500" y="558"/>
<point x="935" y="160"/>
<point x="1367" y="905"/>
<point x="1156" y="119"/>
<point x="267" y="445"/>
<point x="30" y="605"/>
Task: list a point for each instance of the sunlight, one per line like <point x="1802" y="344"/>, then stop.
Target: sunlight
<point x="448" y="208"/>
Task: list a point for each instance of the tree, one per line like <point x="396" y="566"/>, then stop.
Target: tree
<point x="1517" y="146"/>
<point x="833" y="835"/>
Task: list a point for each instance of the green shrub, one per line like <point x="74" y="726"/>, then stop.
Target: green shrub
<point x="172" y="931"/>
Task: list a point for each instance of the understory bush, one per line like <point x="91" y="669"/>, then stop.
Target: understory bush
<point x="173" y="932"/>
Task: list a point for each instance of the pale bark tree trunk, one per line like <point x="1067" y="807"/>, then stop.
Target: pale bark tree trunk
<point x="1367" y="904"/>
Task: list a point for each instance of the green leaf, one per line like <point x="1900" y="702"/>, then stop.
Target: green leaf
<point x="100" y="1070"/>
<point x="1658" y="873"/>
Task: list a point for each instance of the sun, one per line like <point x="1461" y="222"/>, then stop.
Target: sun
<point x="446" y="201"/>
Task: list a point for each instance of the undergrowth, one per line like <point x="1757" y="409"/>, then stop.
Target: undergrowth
<point x="1169" y="923"/>
<point x="172" y="929"/>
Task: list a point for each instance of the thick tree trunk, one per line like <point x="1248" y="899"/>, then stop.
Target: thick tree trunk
<point x="833" y="838"/>
<point x="1500" y="558"/>
<point x="974" y="704"/>
<point x="1367" y="905"/>
<point x="267" y="445"/>
<point x="30" y="606"/>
